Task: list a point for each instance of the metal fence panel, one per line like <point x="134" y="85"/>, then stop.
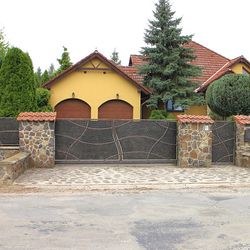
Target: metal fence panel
<point x="115" y="141"/>
<point x="223" y="142"/>
<point x="9" y="132"/>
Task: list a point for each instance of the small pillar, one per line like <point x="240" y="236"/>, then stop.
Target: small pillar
<point x="194" y="141"/>
<point x="242" y="151"/>
<point x="37" y="137"/>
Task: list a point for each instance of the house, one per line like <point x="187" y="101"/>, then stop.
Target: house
<point x="95" y="88"/>
<point x="98" y="89"/>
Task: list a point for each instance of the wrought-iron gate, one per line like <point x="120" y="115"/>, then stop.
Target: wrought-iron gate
<point x="223" y="144"/>
<point x="114" y="141"/>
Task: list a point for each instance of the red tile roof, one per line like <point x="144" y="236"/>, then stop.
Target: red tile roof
<point x="116" y="68"/>
<point x="37" y="116"/>
<point x="242" y="119"/>
<point x="211" y="62"/>
<point x="194" y="119"/>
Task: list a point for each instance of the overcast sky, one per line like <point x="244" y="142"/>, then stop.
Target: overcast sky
<point x="42" y="28"/>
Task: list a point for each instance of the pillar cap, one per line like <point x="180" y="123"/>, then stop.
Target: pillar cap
<point x="242" y="119"/>
<point x="194" y="119"/>
<point x="37" y="116"/>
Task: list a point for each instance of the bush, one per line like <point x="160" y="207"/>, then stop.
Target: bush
<point x="229" y="95"/>
<point x="158" y="115"/>
<point x="170" y="117"/>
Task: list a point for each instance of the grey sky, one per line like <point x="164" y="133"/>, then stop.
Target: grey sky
<point x="42" y="28"/>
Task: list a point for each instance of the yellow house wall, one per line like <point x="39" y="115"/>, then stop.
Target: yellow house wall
<point x="194" y="110"/>
<point x="96" y="88"/>
<point x="239" y="67"/>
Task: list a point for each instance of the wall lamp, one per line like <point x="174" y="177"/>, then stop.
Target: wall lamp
<point x="117" y="96"/>
<point x="73" y="95"/>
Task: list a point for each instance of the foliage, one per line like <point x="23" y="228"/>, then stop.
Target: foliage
<point x="161" y="115"/>
<point x="229" y="95"/>
<point x="38" y="75"/>
<point x="170" y="117"/>
<point x="17" y="84"/>
<point x="215" y="116"/>
<point x="64" y="62"/>
<point x="3" y="47"/>
<point x="51" y="70"/>
<point x="43" y="96"/>
<point x="158" y="114"/>
<point x="168" y="71"/>
<point x="45" y="77"/>
<point x="115" y="58"/>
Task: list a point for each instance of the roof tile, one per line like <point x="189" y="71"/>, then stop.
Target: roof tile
<point x="194" y="119"/>
<point x="242" y="119"/>
<point x="37" y="116"/>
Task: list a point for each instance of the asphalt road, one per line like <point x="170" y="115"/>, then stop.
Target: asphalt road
<point x="127" y="219"/>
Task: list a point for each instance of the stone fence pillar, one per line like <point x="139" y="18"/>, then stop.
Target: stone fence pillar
<point x="194" y="141"/>
<point x="242" y="152"/>
<point x="37" y="137"/>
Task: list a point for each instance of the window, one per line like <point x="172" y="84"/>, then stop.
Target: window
<point x="171" y="107"/>
<point x="245" y="72"/>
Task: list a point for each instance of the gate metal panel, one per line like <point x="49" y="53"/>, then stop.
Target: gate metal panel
<point x="223" y="144"/>
<point x="9" y="131"/>
<point x="114" y="141"/>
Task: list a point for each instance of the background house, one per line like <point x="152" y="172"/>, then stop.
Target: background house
<point x="98" y="89"/>
<point x="214" y="66"/>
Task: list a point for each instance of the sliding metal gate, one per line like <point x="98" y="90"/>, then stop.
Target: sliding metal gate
<point x="223" y="145"/>
<point x="115" y="141"/>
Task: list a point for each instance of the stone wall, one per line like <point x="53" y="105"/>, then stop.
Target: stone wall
<point x="38" y="139"/>
<point x="13" y="167"/>
<point x="194" y="141"/>
<point x="8" y="151"/>
<point x="242" y="152"/>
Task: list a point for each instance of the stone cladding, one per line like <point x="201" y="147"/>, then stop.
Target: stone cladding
<point x="38" y="139"/>
<point x="13" y="167"/>
<point x="242" y="152"/>
<point x="194" y="144"/>
<point x="6" y="152"/>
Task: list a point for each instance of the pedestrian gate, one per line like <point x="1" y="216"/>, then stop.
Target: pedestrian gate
<point x="115" y="141"/>
<point x="223" y="142"/>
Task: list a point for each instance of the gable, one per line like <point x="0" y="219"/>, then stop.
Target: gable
<point x="96" y="62"/>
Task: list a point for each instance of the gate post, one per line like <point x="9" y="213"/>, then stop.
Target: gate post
<point x="194" y="141"/>
<point x="242" y="152"/>
<point x="37" y="137"/>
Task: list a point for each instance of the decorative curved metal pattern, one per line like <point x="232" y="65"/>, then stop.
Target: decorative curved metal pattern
<point x="223" y="142"/>
<point x="115" y="141"/>
<point x="9" y="132"/>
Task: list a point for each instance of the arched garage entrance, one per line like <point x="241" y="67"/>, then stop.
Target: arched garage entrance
<point x="73" y="108"/>
<point x="115" y="109"/>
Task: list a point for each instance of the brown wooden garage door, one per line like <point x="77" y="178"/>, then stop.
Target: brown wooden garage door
<point x="73" y="108"/>
<point x="115" y="109"/>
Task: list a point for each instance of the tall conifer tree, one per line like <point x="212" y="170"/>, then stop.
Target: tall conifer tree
<point x="168" y="72"/>
<point x="17" y="84"/>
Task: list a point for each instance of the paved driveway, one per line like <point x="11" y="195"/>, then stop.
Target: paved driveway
<point x="120" y="176"/>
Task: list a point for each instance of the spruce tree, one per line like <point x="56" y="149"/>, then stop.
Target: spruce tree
<point x="17" y="85"/>
<point x="115" y="58"/>
<point x="168" y="72"/>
